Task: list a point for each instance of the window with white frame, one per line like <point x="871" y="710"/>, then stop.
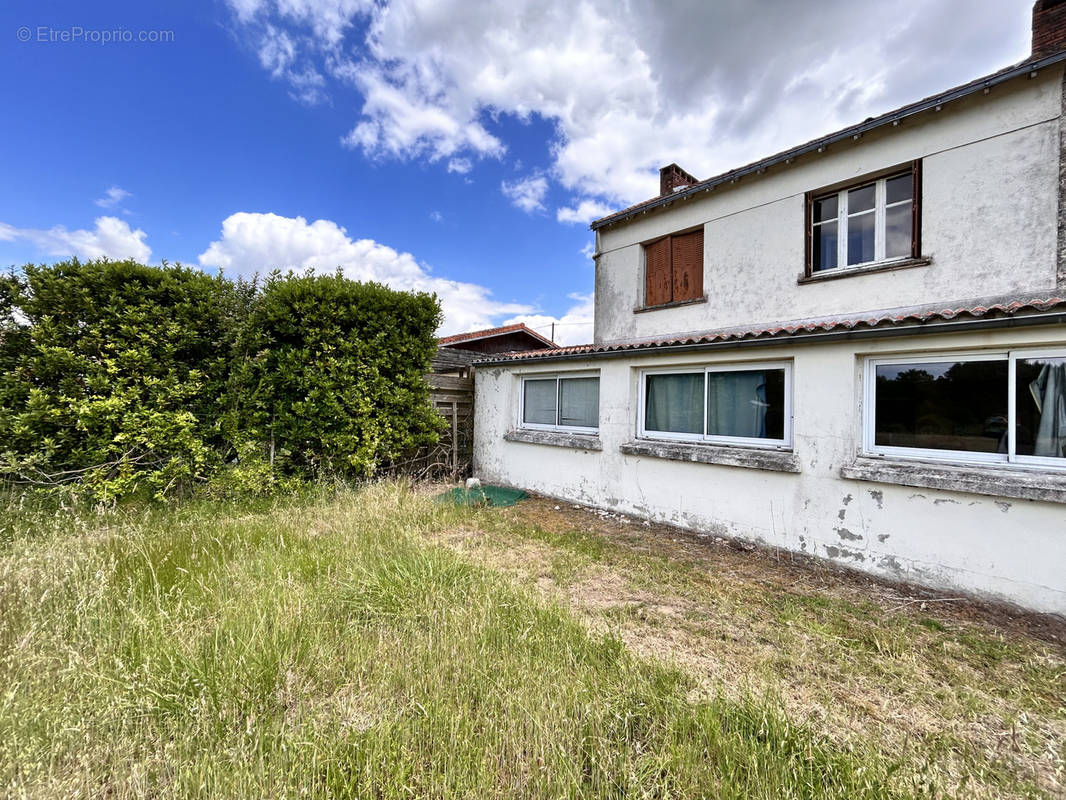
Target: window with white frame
<point x="568" y="402"/>
<point x="741" y="404"/>
<point x="876" y="220"/>
<point x="1007" y="407"/>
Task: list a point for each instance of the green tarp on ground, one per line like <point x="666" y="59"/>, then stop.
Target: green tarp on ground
<point x="482" y="496"/>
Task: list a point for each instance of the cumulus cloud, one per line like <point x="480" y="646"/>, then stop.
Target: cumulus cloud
<point x="573" y="327"/>
<point x="110" y="238"/>
<point x="630" y="87"/>
<point x="527" y="193"/>
<point x="112" y="197"/>
<point x="252" y="242"/>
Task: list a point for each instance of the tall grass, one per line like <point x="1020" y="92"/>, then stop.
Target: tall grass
<point x="321" y="647"/>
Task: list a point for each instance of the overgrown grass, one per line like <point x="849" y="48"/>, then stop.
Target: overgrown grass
<point x="966" y="708"/>
<point x="322" y="647"/>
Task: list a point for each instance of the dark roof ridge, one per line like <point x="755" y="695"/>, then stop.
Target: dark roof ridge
<point x="1007" y="73"/>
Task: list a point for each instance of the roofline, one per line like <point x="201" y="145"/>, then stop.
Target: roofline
<point x="1030" y="66"/>
<point x="909" y="329"/>
<point x="492" y="332"/>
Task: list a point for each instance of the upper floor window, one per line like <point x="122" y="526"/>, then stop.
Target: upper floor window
<point x="673" y="269"/>
<point x="866" y="223"/>
<point x="569" y="402"/>
<point x="746" y="404"/>
<point x="990" y="407"/>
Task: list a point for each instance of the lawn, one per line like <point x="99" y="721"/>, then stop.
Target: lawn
<point x="371" y="643"/>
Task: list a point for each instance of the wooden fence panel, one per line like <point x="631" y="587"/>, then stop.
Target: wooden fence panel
<point x="452" y="455"/>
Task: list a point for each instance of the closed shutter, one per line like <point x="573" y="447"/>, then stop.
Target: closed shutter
<point x="687" y="257"/>
<point x="657" y="272"/>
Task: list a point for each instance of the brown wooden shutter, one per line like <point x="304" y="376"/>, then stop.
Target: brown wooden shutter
<point x="657" y="272"/>
<point x="916" y="209"/>
<point x="687" y="257"/>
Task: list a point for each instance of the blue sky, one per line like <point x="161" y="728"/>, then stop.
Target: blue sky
<point x="454" y="146"/>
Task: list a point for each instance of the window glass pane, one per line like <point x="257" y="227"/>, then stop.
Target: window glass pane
<point x="539" y="403"/>
<point x="824" y="244"/>
<point x="825" y="209"/>
<point x="898" y="231"/>
<point x="861" y="239"/>
<point x="899" y="188"/>
<point x="1040" y="395"/>
<point x="674" y="403"/>
<point x="749" y="403"/>
<point x="579" y="402"/>
<point x="947" y="405"/>
<point x="861" y="199"/>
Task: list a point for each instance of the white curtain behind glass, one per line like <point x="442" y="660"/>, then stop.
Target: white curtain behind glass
<point x="736" y="404"/>
<point x="1049" y="394"/>
<point x="674" y="403"/>
<point x="539" y="403"/>
<point x="579" y="402"/>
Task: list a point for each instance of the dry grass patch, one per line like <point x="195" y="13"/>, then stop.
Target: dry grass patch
<point x="974" y="697"/>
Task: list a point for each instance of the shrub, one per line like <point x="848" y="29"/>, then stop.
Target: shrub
<point x="330" y="375"/>
<point x="119" y="375"/>
<point x="118" y="378"/>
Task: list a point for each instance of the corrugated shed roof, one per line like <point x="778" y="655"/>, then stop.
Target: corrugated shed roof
<point x="855" y="131"/>
<point x="488" y="332"/>
<point x="914" y="317"/>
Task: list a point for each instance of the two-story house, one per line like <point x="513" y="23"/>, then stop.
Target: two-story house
<point x="854" y="349"/>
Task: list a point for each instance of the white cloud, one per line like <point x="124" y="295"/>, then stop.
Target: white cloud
<point x="630" y="87"/>
<point x="584" y="212"/>
<point x="436" y="216"/>
<point x="111" y="238"/>
<point x="589" y="250"/>
<point x="112" y="197"/>
<point x="253" y="243"/>
<point x="460" y="165"/>
<point x="573" y="327"/>
<point x="527" y="193"/>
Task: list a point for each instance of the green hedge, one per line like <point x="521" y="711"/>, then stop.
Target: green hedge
<point x="119" y="379"/>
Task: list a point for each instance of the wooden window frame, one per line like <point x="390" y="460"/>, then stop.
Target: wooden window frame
<point x="699" y="294"/>
<point x="914" y="258"/>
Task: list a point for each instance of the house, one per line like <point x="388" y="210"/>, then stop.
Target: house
<point x="456" y="354"/>
<point x="853" y="349"/>
<point x="508" y="339"/>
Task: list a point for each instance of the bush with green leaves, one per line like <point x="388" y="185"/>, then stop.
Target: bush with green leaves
<point x="329" y="377"/>
<point x="119" y="379"/>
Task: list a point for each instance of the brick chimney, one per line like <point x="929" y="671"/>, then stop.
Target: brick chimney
<point x="672" y="177"/>
<point x="1049" y="27"/>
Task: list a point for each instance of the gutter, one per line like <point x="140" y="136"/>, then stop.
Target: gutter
<point x="854" y="132"/>
<point x="949" y="326"/>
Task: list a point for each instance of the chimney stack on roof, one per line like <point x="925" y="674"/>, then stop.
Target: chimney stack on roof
<point x="672" y="178"/>
<point x="1049" y="27"/>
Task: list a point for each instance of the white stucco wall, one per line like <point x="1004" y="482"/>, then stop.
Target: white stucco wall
<point x="985" y="545"/>
<point x="989" y="205"/>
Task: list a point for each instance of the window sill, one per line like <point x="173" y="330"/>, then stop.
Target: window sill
<point x="577" y="441"/>
<point x="678" y="304"/>
<point x="750" y="457"/>
<point x="994" y="481"/>
<point x="881" y="266"/>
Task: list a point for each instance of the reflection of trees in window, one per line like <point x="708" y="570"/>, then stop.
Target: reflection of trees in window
<point x="959" y="405"/>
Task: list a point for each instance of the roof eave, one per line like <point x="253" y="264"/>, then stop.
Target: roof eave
<point x="878" y="332"/>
